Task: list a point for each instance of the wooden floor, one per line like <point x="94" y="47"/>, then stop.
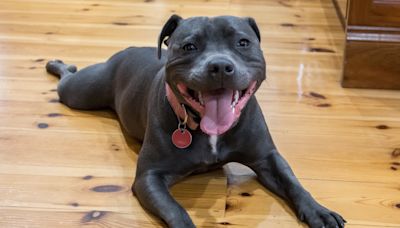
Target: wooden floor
<point x="65" y="168"/>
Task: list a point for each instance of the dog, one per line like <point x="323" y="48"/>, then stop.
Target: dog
<point x="193" y="108"/>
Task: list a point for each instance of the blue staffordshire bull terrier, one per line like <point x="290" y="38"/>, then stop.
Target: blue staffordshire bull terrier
<point x="193" y="108"/>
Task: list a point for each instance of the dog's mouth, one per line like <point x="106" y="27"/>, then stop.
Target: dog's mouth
<point x="219" y="109"/>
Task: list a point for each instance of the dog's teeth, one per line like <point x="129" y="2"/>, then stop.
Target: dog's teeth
<point x="201" y="98"/>
<point x="235" y="99"/>
<point x="236" y="96"/>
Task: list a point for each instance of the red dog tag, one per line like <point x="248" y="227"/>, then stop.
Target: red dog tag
<point x="181" y="138"/>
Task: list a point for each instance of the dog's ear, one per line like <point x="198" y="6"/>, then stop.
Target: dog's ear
<point x="254" y="26"/>
<point x="167" y="31"/>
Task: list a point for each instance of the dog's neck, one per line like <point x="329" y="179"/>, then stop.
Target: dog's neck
<point x="178" y="109"/>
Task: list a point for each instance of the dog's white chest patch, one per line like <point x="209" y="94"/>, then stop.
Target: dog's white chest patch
<point x="213" y="143"/>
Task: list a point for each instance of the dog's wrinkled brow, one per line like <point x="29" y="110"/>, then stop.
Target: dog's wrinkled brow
<point x="192" y="37"/>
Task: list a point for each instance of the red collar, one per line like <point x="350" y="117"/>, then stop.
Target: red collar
<point x="178" y="109"/>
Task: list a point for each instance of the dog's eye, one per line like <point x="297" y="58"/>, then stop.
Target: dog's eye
<point x="243" y="43"/>
<point x="189" y="47"/>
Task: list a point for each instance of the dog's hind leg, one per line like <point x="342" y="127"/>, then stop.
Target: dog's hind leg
<point x="87" y="89"/>
<point x="60" y="69"/>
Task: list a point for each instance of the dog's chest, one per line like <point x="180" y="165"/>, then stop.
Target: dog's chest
<point x="213" y="140"/>
<point x="210" y="154"/>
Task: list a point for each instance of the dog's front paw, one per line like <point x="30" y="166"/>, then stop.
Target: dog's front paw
<point x="317" y="216"/>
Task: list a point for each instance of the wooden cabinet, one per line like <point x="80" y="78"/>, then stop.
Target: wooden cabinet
<point x="372" y="52"/>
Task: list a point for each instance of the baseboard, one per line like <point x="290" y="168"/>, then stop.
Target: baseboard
<point x="373" y="64"/>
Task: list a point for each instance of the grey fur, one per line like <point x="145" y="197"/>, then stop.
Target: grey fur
<point x="132" y="83"/>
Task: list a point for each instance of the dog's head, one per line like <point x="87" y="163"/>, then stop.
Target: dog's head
<point x="214" y="65"/>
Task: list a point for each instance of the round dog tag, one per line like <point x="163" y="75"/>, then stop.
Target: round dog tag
<point x="181" y="138"/>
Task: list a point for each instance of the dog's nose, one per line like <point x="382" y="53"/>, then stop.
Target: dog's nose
<point x="221" y="67"/>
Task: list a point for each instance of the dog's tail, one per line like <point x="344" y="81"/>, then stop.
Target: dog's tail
<point x="59" y="68"/>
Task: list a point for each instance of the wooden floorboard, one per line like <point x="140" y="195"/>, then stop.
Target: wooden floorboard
<point x="66" y="168"/>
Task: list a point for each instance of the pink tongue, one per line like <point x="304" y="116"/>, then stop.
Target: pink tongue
<point x="218" y="115"/>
